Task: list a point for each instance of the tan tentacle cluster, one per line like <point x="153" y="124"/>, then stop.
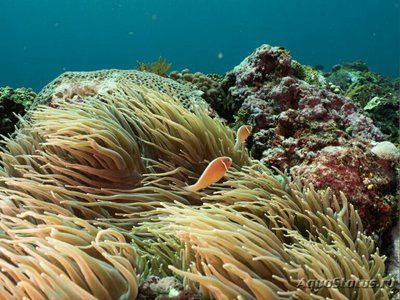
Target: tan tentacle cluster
<point x="57" y="257"/>
<point x="113" y="154"/>
<point x="265" y="239"/>
<point x="92" y="196"/>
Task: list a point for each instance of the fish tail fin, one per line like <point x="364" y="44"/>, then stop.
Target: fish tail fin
<point x="189" y="188"/>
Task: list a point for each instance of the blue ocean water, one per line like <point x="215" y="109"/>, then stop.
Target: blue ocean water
<point x="43" y="38"/>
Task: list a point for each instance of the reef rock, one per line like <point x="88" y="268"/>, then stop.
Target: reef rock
<point x="377" y="96"/>
<point x="386" y="151"/>
<point x="367" y="182"/>
<point x="13" y="102"/>
<point x="265" y="85"/>
<point x="214" y="88"/>
<point x="298" y="124"/>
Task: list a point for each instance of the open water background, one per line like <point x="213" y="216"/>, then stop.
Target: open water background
<point x="42" y="38"/>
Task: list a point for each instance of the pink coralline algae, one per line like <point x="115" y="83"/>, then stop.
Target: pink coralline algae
<point x="298" y="124"/>
<point x="264" y="62"/>
<point x="366" y="181"/>
<point x="264" y="83"/>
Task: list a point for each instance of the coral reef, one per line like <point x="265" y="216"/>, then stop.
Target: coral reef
<point x="214" y="87"/>
<point x="358" y="82"/>
<point x="295" y="121"/>
<point x="376" y="95"/>
<point x="94" y="200"/>
<point x="264" y="87"/>
<point x="308" y="74"/>
<point x="353" y="170"/>
<point x="386" y="151"/>
<point x="385" y="113"/>
<point x="13" y="101"/>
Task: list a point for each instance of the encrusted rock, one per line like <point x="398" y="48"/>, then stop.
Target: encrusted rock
<point x="367" y="183"/>
<point x="13" y="102"/>
<point x="386" y="150"/>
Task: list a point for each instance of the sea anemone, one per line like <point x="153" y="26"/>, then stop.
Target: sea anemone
<point x="97" y="158"/>
<point x="263" y="240"/>
<point x="52" y="256"/>
<point x="92" y="192"/>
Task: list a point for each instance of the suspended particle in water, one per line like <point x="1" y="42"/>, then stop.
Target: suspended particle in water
<point x="220" y="55"/>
